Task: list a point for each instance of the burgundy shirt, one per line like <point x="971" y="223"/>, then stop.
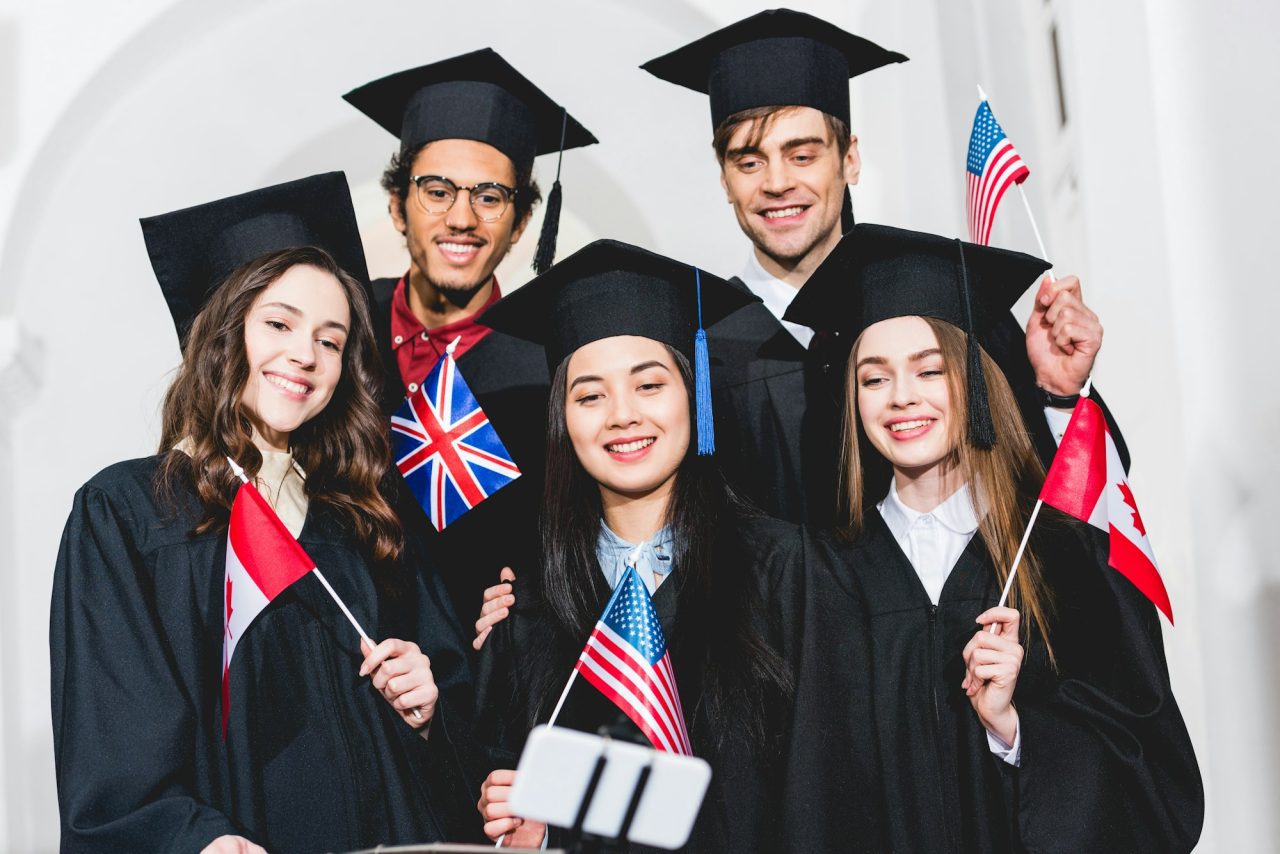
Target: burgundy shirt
<point x="418" y="349"/>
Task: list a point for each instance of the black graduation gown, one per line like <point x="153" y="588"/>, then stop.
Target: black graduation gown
<point x="314" y="758"/>
<point x="1106" y="763"/>
<point x="508" y="376"/>
<point x="778" y="409"/>
<point x="759" y="799"/>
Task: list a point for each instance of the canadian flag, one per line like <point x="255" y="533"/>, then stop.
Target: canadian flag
<point x="263" y="559"/>
<point x="1088" y="482"/>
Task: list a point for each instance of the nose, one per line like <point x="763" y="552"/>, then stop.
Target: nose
<point x="904" y="393"/>
<point x="302" y="352"/>
<point x="777" y="178"/>
<point x="460" y="216"/>
<point x="622" y="412"/>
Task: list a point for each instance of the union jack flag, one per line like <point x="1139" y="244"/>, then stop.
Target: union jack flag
<point x="993" y="165"/>
<point x="626" y="658"/>
<point x="445" y="447"/>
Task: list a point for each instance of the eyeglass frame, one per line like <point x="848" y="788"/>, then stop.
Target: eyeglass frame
<point x="510" y="191"/>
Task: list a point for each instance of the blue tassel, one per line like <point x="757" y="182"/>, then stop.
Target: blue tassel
<point x="702" y="395"/>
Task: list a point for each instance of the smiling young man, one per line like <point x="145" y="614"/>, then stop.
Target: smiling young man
<point x="461" y="191"/>
<point x="778" y="86"/>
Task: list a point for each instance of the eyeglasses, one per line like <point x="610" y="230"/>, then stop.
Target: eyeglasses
<point x="489" y="200"/>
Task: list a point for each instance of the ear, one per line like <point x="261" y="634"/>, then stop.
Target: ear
<point x="724" y="185"/>
<point x="852" y="161"/>
<point x="520" y="226"/>
<point x="395" y="207"/>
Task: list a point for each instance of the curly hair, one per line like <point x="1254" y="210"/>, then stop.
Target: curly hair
<point x="395" y="180"/>
<point x="344" y="449"/>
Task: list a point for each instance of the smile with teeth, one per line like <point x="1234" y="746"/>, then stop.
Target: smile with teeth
<point x="902" y="426"/>
<point x="629" y="447"/>
<point x="459" y="248"/>
<point x="288" y="385"/>
<point x="783" y="212"/>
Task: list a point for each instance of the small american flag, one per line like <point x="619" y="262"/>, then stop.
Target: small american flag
<point x="445" y="447"/>
<point x="993" y="165"/>
<point x="626" y="658"/>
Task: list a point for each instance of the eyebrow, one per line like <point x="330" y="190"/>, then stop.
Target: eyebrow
<point x="914" y="357"/>
<point x="789" y="145"/>
<point x="297" y="312"/>
<point x="640" y="368"/>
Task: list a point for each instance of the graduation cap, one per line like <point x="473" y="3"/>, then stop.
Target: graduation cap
<point x="610" y="288"/>
<point x="477" y="96"/>
<point x="877" y="272"/>
<point x="194" y="250"/>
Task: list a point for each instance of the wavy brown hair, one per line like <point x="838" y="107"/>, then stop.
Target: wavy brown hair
<point x="344" y="449"/>
<point x="1005" y="480"/>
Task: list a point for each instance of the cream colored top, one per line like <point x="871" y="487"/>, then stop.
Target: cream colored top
<point x="281" y="481"/>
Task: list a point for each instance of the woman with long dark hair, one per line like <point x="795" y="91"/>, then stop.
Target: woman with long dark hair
<point x="1049" y="724"/>
<point x="305" y="740"/>
<point x="626" y="487"/>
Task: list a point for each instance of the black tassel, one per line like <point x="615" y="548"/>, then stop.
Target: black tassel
<point x="546" y="254"/>
<point x="982" y="432"/>
<point x="846" y="212"/>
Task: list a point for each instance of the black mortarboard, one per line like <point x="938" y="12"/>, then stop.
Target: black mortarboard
<point x="877" y="272"/>
<point x="610" y="288"/>
<point x="477" y="96"/>
<point x="777" y="58"/>
<point x="194" y="250"/>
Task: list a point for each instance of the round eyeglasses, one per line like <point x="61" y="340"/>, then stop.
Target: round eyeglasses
<point x="436" y="194"/>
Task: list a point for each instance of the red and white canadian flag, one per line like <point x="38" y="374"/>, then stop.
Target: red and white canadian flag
<point x="263" y="559"/>
<point x="1088" y="482"/>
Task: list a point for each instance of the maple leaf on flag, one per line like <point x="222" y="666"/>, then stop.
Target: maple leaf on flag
<point x="1133" y="505"/>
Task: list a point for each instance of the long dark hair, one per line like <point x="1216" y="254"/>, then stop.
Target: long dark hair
<point x="344" y="449"/>
<point x="717" y="629"/>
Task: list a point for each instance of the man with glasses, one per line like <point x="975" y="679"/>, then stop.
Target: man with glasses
<point x="461" y="191"/>
<point x="778" y="83"/>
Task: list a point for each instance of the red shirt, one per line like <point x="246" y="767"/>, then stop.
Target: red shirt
<point x="418" y="349"/>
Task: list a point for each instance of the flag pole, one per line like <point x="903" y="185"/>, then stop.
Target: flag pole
<point x="1025" y="204"/>
<point x="333" y="594"/>
<point x="1026" y="535"/>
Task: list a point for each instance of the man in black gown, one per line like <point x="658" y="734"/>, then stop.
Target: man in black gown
<point x="778" y="87"/>
<point x="461" y="190"/>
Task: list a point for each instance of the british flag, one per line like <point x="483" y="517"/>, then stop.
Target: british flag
<point x="445" y="447"/>
<point x="626" y="658"/>
<point x="992" y="166"/>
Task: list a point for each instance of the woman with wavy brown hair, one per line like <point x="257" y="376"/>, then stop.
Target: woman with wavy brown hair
<point x="1048" y="725"/>
<point x="321" y="742"/>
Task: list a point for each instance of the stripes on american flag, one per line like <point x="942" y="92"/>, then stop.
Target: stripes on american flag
<point x="626" y="659"/>
<point x="992" y="166"/>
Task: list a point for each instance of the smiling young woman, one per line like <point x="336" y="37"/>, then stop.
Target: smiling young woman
<point x="1048" y="725"/>
<point x="626" y="487"/>
<point x="316" y="744"/>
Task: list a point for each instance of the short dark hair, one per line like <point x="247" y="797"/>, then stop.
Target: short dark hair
<point x="761" y="118"/>
<point x="395" y="180"/>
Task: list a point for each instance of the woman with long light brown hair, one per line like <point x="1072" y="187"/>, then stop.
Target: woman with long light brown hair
<point x="304" y="739"/>
<point x="1045" y="725"/>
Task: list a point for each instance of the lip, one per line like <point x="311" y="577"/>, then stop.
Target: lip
<point x="908" y="435"/>
<point x="289" y="393"/>
<point x="783" y="221"/>
<point x="630" y="456"/>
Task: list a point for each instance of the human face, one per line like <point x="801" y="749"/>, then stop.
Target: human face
<point x="627" y="413"/>
<point x="787" y="191"/>
<point x="294" y="335"/>
<point x="457" y="251"/>
<point x="904" y="397"/>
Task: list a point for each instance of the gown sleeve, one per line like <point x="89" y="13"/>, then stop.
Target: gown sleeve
<point x="1108" y="745"/>
<point x="124" y="725"/>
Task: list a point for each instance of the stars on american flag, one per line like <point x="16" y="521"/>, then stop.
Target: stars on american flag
<point x="633" y="617"/>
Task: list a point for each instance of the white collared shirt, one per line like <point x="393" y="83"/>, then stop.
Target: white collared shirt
<point x="933" y="542"/>
<point x="776" y="296"/>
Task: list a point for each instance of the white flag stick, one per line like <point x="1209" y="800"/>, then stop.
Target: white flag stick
<point x="333" y="594"/>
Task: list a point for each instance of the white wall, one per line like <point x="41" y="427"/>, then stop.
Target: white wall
<point x="1153" y="193"/>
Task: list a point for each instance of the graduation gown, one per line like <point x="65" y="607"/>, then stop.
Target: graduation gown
<point x="314" y="758"/>
<point x="778" y="409"/>
<point x="508" y="377"/>
<point x="759" y="798"/>
<point x="1106" y="762"/>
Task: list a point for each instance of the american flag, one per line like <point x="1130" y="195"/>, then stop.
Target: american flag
<point x="993" y="165"/>
<point x="626" y="658"/>
<point x="445" y="447"/>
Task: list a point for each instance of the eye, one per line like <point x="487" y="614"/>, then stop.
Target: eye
<point x="750" y="164"/>
<point x="277" y="325"/>
<point x="932" y="372"/>
<point x="872" y="381"/>
<point x="330" y="344"/>
<point x="653" y="386"/>
<point x="588" y="398"/>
